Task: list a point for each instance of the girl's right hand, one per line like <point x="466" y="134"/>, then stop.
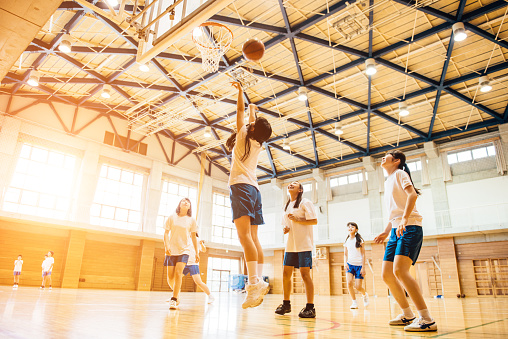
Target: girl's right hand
<point x="346" y="267"/>
<point x="380" y="238"/>
<point x="167" y="252"/>
<point x="286" y="230"/>
<point x="237" y="85"/>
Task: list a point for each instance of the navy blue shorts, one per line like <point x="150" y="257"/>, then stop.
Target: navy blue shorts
<point x="171" y="260"/>
<point x="246" y="200"/>
<point x="408" y="245"/>
<point x="191" y="269"/>
<point x="45" y="274"/>
<point x="298" y="259"/>
<point x="17" y="273"/>
<point x="355" y="271"/>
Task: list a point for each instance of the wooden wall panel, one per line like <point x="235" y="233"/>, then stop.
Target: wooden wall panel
<point x="467" y="277"/>
<point x="482" y="250"/>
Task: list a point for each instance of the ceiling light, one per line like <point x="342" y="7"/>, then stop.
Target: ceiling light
<point x="338" y="129"/>
<point x="459" y="32"/>
<point x="197" y="32"/>
<point x="485" y="85"/>
<point x="370" y="66"/>
<point x="66" y="44"/>
<point x="33" y="79"/>
<point x="208" y="132"/>
<point x="113" y="2"/>
<point x="106" y="91"/>
<point x="302" y="93"/>
<point x="285" y="145"/>
<point x="403" y="110"/>
<point x="144" y="67"/>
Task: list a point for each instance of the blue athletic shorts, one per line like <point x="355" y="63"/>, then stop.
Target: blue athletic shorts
<point x="408" y="245"/>
<point x="171" y="260"/>
<point x="298" y="259"/>
<point x="246" y="200"/>
<point x="45" y="274"/>
<point x="17" y="272"/>
<point x="191" y="269"/>
<point x="355" y="271"/>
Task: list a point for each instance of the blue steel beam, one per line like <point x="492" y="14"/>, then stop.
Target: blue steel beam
<point x="270" y="159"/>
<point x="342" y="141"/>
<point x="369" y="89"/>
<point x="294" y="154"/>
<point x="248" y="24"/>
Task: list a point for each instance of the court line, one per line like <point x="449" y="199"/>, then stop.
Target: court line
<point x="468" y="328"/>
<point x="335" y="325"/>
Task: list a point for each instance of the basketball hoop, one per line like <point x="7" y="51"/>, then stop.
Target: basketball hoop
<point x="212" y="40"/>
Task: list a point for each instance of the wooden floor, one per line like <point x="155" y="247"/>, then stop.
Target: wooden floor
<point x="66" y="313"/>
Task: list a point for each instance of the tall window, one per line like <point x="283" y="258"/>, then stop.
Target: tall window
<point x="172" y="193"/>
<point x="470" y="154"/>
<point x="223" y="229"/>
<point x="118" y="198"/>
<point x="219" y="273"/>
<point x="42" y="183"/>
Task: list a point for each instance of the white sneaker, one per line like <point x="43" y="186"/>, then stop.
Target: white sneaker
<point x="267" y="287"/>
<point x="173" y="305"/>
<point x="254" y="295"/>
<point x="211" y="299"/>
<point x="50" y="288"/>
<point x="401" y="320"/>
<point x="354" y="305"/>
<point x="168" y="300"/>
<point x="366" y="300"/>
<point x="14" y="287"/>
<point x="421" y="325"/>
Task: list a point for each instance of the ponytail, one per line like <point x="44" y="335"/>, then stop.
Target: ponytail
<point x="403" y="166"/>
<point x="261" y="133"/>
<point x="358" y="237"/>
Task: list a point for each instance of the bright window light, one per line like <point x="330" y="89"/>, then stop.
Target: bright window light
<point x="219" y="272"/>
<point x="415" y="166"/>
<point x="42" y="183"/>
<point x="353" y="178"/>
<point x="480" y="153"/>
<point x="464" y="156"/>
<point x="307" y="188"/>
<point x="118" y="198"/>
<point x="172" y="193"/>
<point x="223" y="229"/>
<point x="491" y="150"/>
<point x="452" y="158"/>
<point x="334" y="182"/>
<point x="343" y="180"/>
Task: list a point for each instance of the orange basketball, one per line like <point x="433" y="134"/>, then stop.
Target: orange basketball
<point x="253" y="49"/>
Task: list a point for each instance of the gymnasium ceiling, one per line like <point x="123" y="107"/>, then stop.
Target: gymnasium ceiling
<point x="416" y="58"/>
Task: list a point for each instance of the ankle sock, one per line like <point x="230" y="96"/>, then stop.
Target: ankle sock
<point x="408" y="313"/>
<point x="425" y="314"/>
<point x="252" y="268"/>
<point x="286" y="302"/>
<point x="173" y="298"/>
<point x="309" y="306"/>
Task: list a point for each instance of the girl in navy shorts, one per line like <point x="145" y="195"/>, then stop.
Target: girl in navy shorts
<point x="403" y="247"/>
<point x="245" y="146"/>
<point x="354" y="263"/>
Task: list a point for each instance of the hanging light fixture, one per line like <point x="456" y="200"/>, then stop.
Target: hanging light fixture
<point x="208" y="132"/>
<point x="285" y="145"/>
<point x="302" y="93"/>
<point x="106" y="91"/>
<point x="403" y="110"/>
<point x="113" y="3"/>
<point x="197" y="32"/>
<point x="33" y="79"/>
<point x="143" y="67"/>
<point x="485" y="85"/>
<point x="459" y="32"/>
<point x="370" y="66"/>
<point x="338" y="129"/>
<point x="66" y="44"/>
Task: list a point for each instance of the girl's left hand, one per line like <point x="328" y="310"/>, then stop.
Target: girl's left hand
<point x="197" y="258"/>
<point x="293" y="217"/>
<point x="362" y="272"/>
<point x="402" y="227"/>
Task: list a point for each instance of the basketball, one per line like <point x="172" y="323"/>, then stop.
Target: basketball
<point x="253" y="49"/>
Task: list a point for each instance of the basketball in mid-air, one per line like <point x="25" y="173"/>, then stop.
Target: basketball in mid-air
<point x="253" y="49"/>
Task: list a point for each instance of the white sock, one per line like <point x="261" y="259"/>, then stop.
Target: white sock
<point x="252" y="272"/>
<point x="260" y="271"/>
<point x="425" y="314"/>
<point x="408" y="313"/>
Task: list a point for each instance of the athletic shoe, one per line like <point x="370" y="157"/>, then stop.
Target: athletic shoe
<point x="254" y="295"/>
<point x="306" y="313"/>
<point x="401" y="320"/>
<point x="421" y="325"/>
<point x="173" y="305"/>
<point x="267" y="287"/>
<point x="366" y="300"/>
<point x="50" y="288"/>
<point x="14" y="287"/>
<point x="354" y="305"/>
<point x="283" y="309"/>
<point x="211" y="299"/>
<point x="41" y="288"/>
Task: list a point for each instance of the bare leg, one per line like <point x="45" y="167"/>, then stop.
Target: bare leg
<point x="401" y="267"/>
<point x="200" y="283"/>
<point x="287" y="276"/>
<point x="43" y="284"/>
<point x="243" y="228"/>
<point x="350" y="285"/>
<point x="178" y="278"/>
<point x="394" y="285"/>
<point x="309" y="284"/>
<point x="50" y="280"/>
<point x="255" y="239"/>
<point x="359" y="286"/>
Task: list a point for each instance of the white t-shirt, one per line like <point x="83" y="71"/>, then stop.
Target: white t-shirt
<point x="396" y="197"/>
<point x="46" y="264"/>
<point x="17" y="265"/>
<point x="180" y="229"/>
<point x="300" y="237"/>
<point x="354" y="255"/>
<point x="244" y="172"/>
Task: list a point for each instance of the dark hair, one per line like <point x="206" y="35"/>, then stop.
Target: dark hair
<point x="262" y="132"/>
<point x="358" y="237"/>
<point x="51" y="253"/>
<point x="19" y="255"/>
<point x="396" y="154"/>
<point x="189" y="212"/>
<point x="298" y="198"/>
<point x="46" y="255"/>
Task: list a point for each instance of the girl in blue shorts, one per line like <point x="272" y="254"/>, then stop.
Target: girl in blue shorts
<point x="403" y="247"/>
<point x="354" y="264"/>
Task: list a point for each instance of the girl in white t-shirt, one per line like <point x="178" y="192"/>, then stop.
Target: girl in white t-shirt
<point x="402" y="250"/>
<point x="180" y="232"/>
<point x="354" y="263"/>
<point x="299" y="217"/>
<point x="245" y="146"/>
<point x="18" y="264"/>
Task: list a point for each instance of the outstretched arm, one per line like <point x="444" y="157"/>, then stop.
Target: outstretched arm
<point x="240" y="106"/>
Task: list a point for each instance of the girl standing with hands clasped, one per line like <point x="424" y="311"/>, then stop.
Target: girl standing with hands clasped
<point x="354" y="259"/>
<point x="403" y="247"/>
<point x="299" y="217"/>
<point x="245" y="146"/>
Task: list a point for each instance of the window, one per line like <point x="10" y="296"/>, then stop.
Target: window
<point x="470" y="154"/>
<point x="415" y="166"/>
<point x="307" y="187"/>
<point x="171" y="195"/>
<point x="118" y="198"/>
<point x="42" y="183"/>
<point x="219" y="271"/>
<point x="347" y="179"/>
<point x="223" y="230"/>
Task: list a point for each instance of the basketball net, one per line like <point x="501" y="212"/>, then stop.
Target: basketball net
<point x="213" y="41"/>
